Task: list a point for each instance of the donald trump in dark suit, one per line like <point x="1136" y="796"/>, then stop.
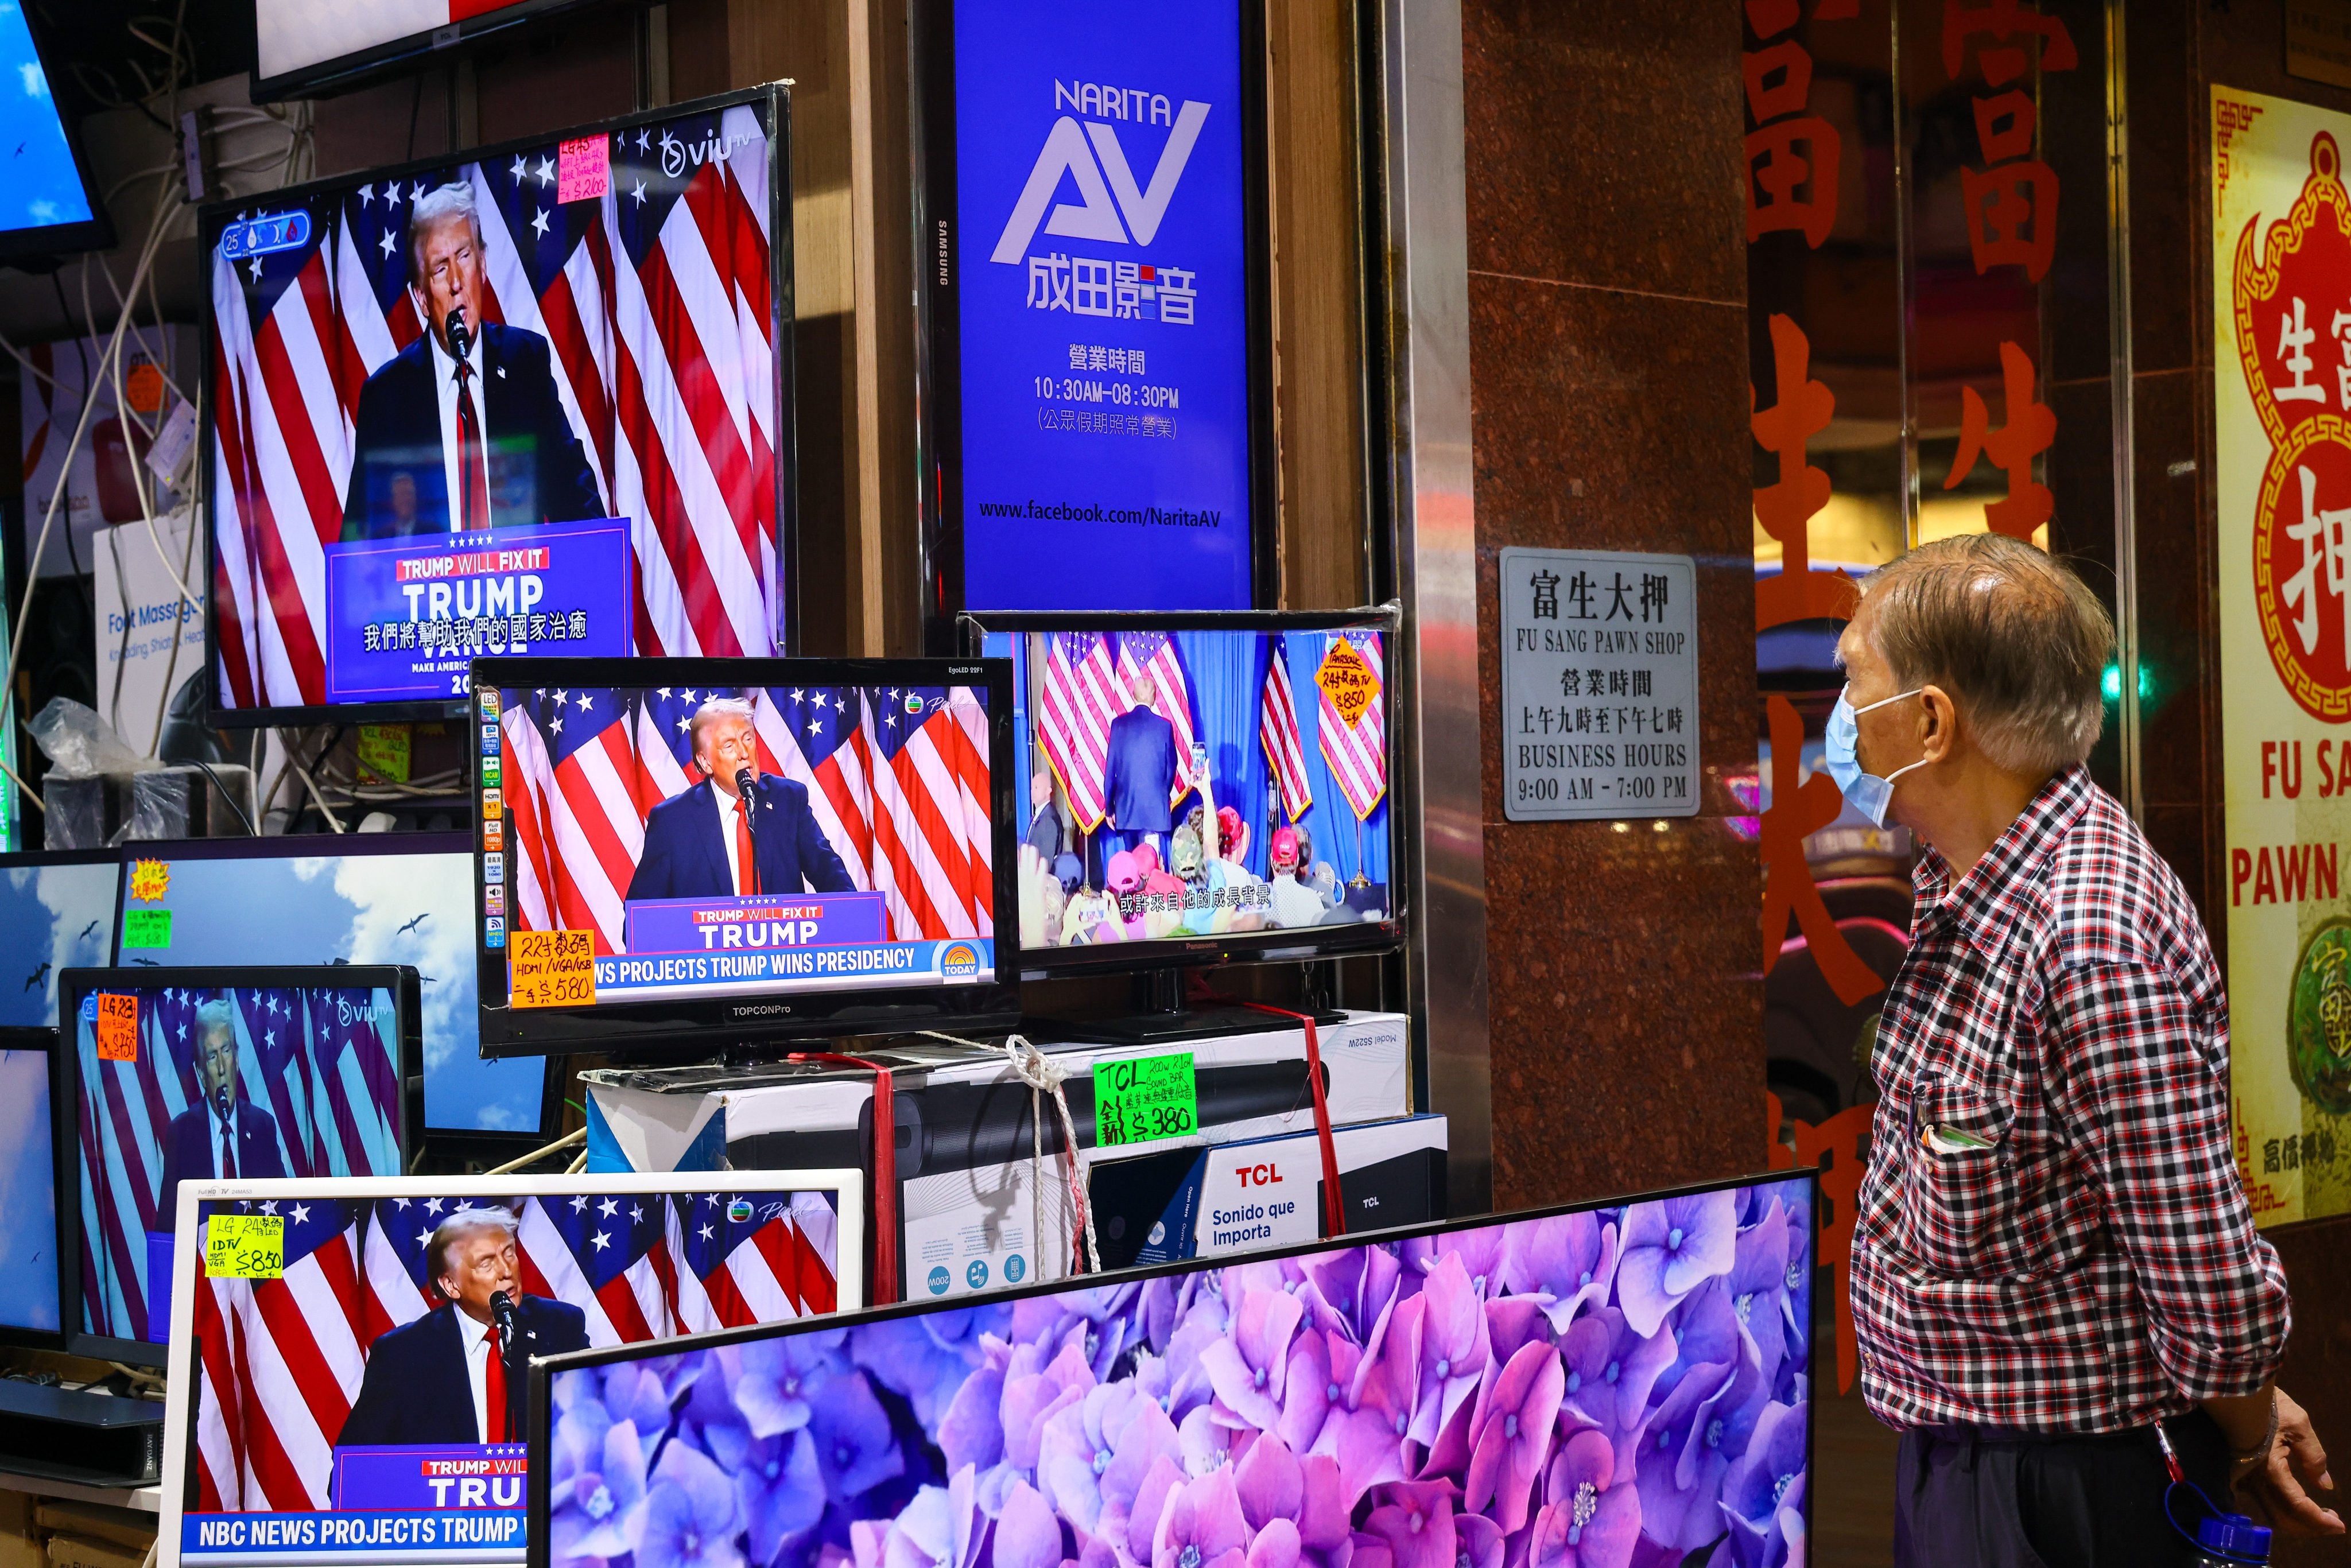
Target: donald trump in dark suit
<point x="712" y="840"/>
<point x="450" y="439"/>
<point x="224" y="1136"/>
<point x="455" y="1374"/>
<point x="1139" y="767"/>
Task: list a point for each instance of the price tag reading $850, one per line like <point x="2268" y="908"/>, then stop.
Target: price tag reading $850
<point x="244" y="1246"/>
<point x="553" y="969"/>
<point x="1145" y="1099"/>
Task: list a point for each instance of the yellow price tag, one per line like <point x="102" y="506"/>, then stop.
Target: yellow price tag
<point x="552" y="968"/>
<point x="1346" y="678"/>
<point x="244" y="1246"/>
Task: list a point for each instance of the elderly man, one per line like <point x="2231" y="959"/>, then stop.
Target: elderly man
<point x="2053" y="1253"/>
<point x="224" y="1134"/>
<point x="713" y="839"/>
<point x="453" y="1375"/>
<point x="1139" y="771"/>
<point x="463" y="429"/>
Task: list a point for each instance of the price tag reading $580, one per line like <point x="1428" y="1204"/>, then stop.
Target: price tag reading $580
<point x="1145" y="1099"/>
<point x="245" y="1246"/>
<point x="553" y="969"/>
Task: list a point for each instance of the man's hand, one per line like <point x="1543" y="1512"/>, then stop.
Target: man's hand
<point x="2273" y="1481"/>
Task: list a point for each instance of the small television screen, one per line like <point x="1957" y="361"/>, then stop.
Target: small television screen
<point x="47" y="204"/>
<point x="28" y="1186"/>
<point x="349" y="1358"/>
<point x="1191" y="787"/>
<point x="245" y="1073"/>
<point x="614" y="478"/>
<point x="779" y="847"/>
<point x="375" y="898"/>
<point x="1624" y="1382"/>
<point x="304" y="50"/>
<point x="57" y="912"/>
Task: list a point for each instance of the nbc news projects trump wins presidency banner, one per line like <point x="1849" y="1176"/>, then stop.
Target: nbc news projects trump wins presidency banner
<point x="2281" y="409"/>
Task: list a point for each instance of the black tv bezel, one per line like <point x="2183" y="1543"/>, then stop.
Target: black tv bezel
<point x="55" y="241"/>
<point x="454" y="1141"/>
<point x="339" y="74"/>
<point x="543" y="1369"/>
<point x="938" y="383"/>
<point x="22" y="1037"/>
<point x="1237" y="946"/>
<point x="690" y="1028"/>
<point x="776" y="97"/>
<point x="73" y="984"/>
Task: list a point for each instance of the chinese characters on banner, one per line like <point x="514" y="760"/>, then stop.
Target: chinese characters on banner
<point x="2282" y="413"/>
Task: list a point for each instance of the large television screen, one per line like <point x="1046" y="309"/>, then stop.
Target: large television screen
<point x="1622" y="1382"/>
<point x="57" y="912"/>
<point x="47" y="206"/>
<point x="216" y="1073"/>
<point x="1191" y="787"/>
<point x="306" y="49"/>
<point x="29" y="1247"/>
<point x="347" y="1376"/>
<point x="780" y="846"/>
<point x="375" y="898"/>
<point x="612" y="478"/>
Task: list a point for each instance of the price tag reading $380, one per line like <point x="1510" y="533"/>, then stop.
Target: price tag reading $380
<point x="1145" y="1099"/>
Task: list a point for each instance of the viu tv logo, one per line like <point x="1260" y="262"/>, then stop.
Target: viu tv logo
<point x="1113" y="207"/>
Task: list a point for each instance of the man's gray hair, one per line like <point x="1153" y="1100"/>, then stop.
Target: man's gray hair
<point x="461" y="1224"/>
<point x="434" y="208"/>
<point x="2010" y="631"/>
<point x="216" y="1014"/>
<point x="714" y="709"/>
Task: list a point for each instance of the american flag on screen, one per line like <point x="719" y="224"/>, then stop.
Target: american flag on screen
<point x="897" y="780"/>
<point x="320" y="1061"/>
<point x="1277" y="728"/>
<point x="1081" y="696"/>
<point x="1358" y="755"/>
<point x="655" y="301"/>
<point x="1171" y="697"/>
<point x="280" y="1360"/>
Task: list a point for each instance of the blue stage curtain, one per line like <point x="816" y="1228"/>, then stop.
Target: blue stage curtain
<point x="1225" y="671"/>
<point x="1331" y="821"/>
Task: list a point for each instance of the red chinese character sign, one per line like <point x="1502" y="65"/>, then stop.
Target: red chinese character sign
<point x="2031" y="427"/>
<point x="2281" y="480"/>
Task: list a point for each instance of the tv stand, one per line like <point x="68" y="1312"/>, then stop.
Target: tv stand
<point x="1165" y="1014"/>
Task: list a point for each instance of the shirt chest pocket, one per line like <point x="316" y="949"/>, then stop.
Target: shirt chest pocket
<point x="1959" y="1186"/>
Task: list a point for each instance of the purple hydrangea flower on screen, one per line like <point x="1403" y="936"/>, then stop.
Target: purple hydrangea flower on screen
<point x="1160" y="1484"/>
<point x="926" y="1359"/>
<point x="1796" y="1303"/>
<point x="1276" y="1486"/>
<point x="778" y="1490"/>
<point x="1510" y="1434"/>
<point x="972" y="1430"/>
<point x="1095" y="1453"/>
<point x="855" y="1448"/>
<point x="1189" y="1381"/>
<point x="1349" y="1291"/>
<point x="1610" y="1372"/>
<point x="1593" y="1520"/>
<point x="1028" y="1535"/>
<point x="775" y="1382"/>
<point x="1671" y="1247"/>
<point x="1034" y="1395"/>
<point x="1453" y="1342"/>
<point x="1276" y="1546"/>
<point x="1417" y="1522"/>
<point x="1702" y="1426"/>
<point x="690" y="1520"/>
<point x="1764" y="1487"/>
<point x="1513" y="1322"/>
<point x="1759" y="1278"/>
<point x="1250" y="1366"/>
<point x="1569" y="1259"/>
<point x="637" y="1392"/>
<point x="1365" y="1426"/>
<point x="1704" y="1331"/>
<point x="1482" y="1253"/>
<point x="1476" y="1542"/>
<point x="1203" y="1526"/>
<point x="940" y="1527"/>
<point x="596" y="1485"/>
<point x="1308" y="1389"/>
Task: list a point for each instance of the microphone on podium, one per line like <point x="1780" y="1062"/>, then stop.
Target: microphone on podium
<point x="502" y="1312"/>
<point x="461" y="339"/>
<point x="747" y="784"/>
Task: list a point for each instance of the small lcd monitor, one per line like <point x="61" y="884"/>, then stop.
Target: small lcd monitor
<point x="616" y="478"/>
<point x="48" y="206"/>
<point x="305" y="49"/>
<point x="57" y="912"/>
<point x="349" y="1371"/>
<point x="1621" y="1382"/>
<point x="205" y="1073"/>
<point x="350" y="898"/>
<point x="30" y="1236"/>
<point x="713" y="853"/>
<point x="1200" y="788"/>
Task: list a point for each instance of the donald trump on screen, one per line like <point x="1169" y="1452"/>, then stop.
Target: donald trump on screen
<point x="739" y="830"/>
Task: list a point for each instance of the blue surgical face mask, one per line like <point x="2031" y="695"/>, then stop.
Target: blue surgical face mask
<point x="1865" y="792"/>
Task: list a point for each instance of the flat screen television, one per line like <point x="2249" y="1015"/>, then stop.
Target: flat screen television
<point x="31" y="1233"/>
<point x="628" y="900"/>
<point x="356" y="898"/>
<point x="304" y="50"/>
<point x="331" y="1384"/>
<point x="1626" y="1381"/>
<point x="617" y="478"/>
<point x="204" y="1072"/>
<point x="1198" y="787"/>
<point x="50" y="206"/>
<point x="57" y="912"/>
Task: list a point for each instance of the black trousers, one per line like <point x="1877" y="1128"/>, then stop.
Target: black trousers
<point x="1990" y="1497"/>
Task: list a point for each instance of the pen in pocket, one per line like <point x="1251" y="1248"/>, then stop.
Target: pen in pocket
<point x="1950" y="1140"/>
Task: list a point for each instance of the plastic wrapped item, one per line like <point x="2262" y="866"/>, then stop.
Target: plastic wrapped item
<point x="82" y="813"/>
<point x="81" y="745"/>
<point x="186" y="803"/>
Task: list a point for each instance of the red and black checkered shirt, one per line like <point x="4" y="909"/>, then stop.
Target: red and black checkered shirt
<point x="2051" y="1231"/>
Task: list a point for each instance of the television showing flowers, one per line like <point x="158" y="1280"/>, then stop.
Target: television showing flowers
<point x="1613" y="1386"/>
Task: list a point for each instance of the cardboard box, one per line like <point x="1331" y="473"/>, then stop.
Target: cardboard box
<point x="79" y="1551"/>
<point x="126" y="1527"/>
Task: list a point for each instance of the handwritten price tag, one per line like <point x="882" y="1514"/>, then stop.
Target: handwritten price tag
<point x="146" y="928"/>
<point x="1347" y="680"/>
<point x="583" y="170"/>
<point x="117" y="1027"/>
<point x="553" y="969"/>
<point x="1146" y="1099"/>
<point x="245" y="1246"/>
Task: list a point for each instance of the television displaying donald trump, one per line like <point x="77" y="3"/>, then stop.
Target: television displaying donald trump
<point x="645" y="843"/>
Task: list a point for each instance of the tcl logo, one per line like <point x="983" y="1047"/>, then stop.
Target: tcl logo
<point x="1259" y="1175"/>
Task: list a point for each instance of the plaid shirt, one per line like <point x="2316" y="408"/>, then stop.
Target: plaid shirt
<point x="2092" y="1266"/>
